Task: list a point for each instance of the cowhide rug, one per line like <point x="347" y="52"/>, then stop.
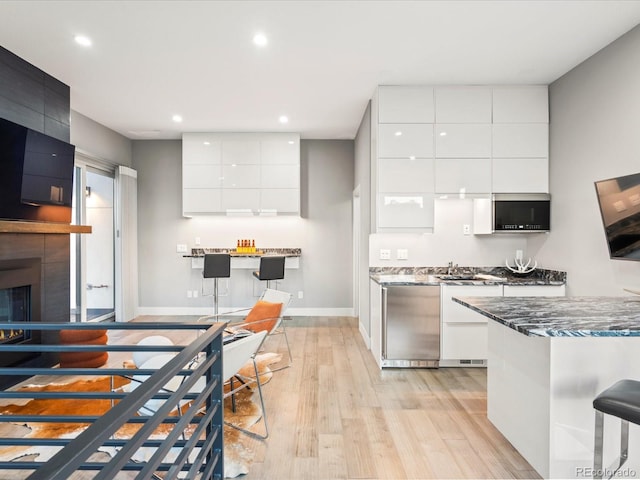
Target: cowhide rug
<point x="237" y="452"/>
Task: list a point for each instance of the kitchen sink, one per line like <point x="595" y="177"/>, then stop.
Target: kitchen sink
<point x="457" y="277"/>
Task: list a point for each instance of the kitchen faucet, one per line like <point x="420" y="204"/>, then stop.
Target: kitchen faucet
<point x="452" y="268"/>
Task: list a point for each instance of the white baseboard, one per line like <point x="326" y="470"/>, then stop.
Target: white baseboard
<point x="202" y="311"/>
<point x="365" y="335"/>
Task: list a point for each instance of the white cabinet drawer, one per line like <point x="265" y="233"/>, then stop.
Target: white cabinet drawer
<point x="521" y="104"/>
<point x="464" y="341"/>
<point x="405" y="104"/>
<point x="534" y="290"/>
<point x="404" y="175"/>
<point x="405" y="140"/>
<point x="463" y="104"/>
<point x="468" y="175"/>
<point x="520" y="175"/>
<point x="521" y="140"/>
<point x="453" y="312"/>
<point x="462" y="140"/>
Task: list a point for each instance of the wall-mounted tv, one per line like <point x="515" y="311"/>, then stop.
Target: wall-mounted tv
<point x="36" y="175"/>
<point x="619" y="200"/>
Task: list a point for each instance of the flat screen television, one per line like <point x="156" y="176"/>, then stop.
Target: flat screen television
<point x="36" y="175"/>
<point x="619" y="200"/>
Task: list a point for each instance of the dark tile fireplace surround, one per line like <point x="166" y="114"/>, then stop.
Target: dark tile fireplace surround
<point x="38" y="258"/>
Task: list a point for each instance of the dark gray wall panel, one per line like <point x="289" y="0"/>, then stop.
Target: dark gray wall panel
<point x="11" y="60"/>
<point x="56" y="129"/>
<point x="57" y="292"/>
<point x="20" y="114"/>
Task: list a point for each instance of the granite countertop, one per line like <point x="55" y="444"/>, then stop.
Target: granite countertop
<point x="261" y="252"/>
<point x="562" y="316"/>
<point x="391" y="276"/>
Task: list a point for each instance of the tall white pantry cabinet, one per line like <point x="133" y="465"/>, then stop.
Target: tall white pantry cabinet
<point x="455" y="140"/>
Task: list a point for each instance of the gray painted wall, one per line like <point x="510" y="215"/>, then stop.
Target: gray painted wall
<point x="595" y="120"/>
<point x="99" y="142"/>
<point x="323" y="231"/>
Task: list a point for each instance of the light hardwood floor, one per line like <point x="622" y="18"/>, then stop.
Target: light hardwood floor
<point x="335" y="415"/>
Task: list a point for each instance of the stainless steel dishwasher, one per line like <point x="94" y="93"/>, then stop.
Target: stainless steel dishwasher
<point x="411" y="326"/>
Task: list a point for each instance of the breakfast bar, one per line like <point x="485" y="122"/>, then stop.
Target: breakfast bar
<point x="549" y="357"/>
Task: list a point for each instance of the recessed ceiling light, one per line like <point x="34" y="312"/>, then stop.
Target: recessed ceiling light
<point x="207" y="143"/>
<point x="177" y="118"/>
<point x="398" y="133"/>
<point x="283" y="119"/>
<point x="443" y="134"/>
<point x="260" y="40"/>
<point x="83" y="40"/>
<point x="412" y="157"/>
<point x="291" y="142"/>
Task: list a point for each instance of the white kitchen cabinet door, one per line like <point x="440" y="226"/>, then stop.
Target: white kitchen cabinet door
<point x="464" y="332"/>
<point x="280" y="151"/>
<point x="405" y="211"/>
<point x="405" y="140"/>
<point x="241" y="199"/>
<point x="520" y="175"/>
<point x="463" y="104"/>
<point x="463" y="341"/>
<point x="201" y="149"/>
<point x="241" y="176"/>
<point x="534" y="290"/>
<point x="521" y="140"/>
<point x="463" y="141"/>
<point x="463" y="175"/>
<point x="521" y="104"/>
<point x="405" y="104"/>
<point x="405" y="175"/>
<point x="241" y="152"/>
<point x="201" y="200"/>
<point x="280" y="176"/>
<point x="280" y="200"/>
<point x="201" y="176"/>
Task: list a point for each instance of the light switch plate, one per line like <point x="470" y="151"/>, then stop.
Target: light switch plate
<point x="402" y="254"/>
<point x="385" y="254"/>
<point x="181" y="248"/>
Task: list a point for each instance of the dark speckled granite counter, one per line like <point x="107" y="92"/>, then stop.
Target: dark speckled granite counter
<point x="386" y="276"/>
<point x="562" y="316"/>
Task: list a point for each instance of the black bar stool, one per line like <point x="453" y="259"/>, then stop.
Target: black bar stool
<point x="216" y="265"/>
<point x="271" y="268"/>
<point x="621" y="400"/>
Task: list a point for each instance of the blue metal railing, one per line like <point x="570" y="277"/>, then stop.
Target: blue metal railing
<point x="192" y="446"/>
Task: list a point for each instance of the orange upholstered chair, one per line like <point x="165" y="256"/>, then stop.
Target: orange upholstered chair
<point x="83" y="359"/>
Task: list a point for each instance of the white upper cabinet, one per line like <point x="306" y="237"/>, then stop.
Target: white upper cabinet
<point x="405" y="140"/>
<point x="463" y="175"/>
<point x="521" y="104"/>
<point x="463" y="140"/>
<point x="463" y="104"/>
<point x="226" y="173"/>
<point x="405" y="175"/>
<point x="405" y="104"/>
<point x="520" y="175"/>
<point x="526" y="140"/>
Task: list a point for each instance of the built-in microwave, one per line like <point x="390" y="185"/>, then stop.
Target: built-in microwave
<point x="521" y="212"/>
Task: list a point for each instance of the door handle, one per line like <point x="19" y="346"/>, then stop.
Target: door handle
<point x="91" y="287"/>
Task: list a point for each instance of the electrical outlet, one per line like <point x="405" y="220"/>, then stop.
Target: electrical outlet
<point x="300" y="294"/>
<point x="518" y="254"/>
<point x="195" y="294"/>
<point x="197" y="241"/>
<point x="466" y="229"/>
<point x="385" y="254"/>
<point x="189" y="294"/>
<point x="402" y="254"/>
<point x="181" y="248"/>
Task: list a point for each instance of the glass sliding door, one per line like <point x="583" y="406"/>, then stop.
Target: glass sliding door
<point x="92" y="255"/>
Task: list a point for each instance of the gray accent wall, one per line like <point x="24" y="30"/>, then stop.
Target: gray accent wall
<point x="323" y="231"/>
<point x="99" y="142"/>
<point x="595" y="120"/>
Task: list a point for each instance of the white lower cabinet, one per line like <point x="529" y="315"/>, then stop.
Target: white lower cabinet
<point x="463" y="336"/>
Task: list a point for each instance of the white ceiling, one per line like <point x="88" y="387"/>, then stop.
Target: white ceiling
<point x="152" y="59"/>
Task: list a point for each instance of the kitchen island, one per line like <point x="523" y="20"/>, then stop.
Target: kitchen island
<point x="548" y="359"/>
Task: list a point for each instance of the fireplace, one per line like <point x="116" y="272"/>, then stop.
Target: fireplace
<point x="20" y="295"/>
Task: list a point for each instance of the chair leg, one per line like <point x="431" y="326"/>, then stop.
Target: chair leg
<point x="598" y="445"/>
<point x="263" y="411"/>
<point x="598" y="471"/>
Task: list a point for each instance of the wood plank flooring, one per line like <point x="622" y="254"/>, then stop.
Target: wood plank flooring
<point x="335" y="415"/>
